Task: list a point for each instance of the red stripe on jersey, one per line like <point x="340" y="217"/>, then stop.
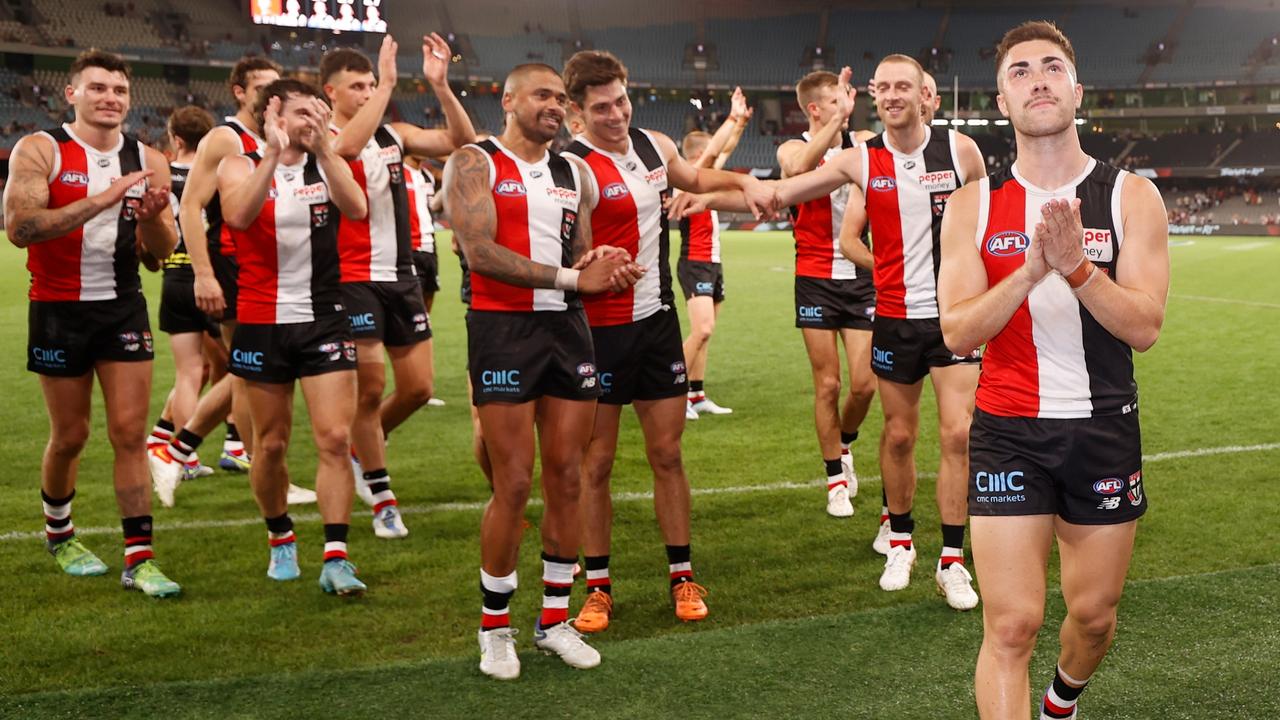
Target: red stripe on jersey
<point x="702" y="236"/>
<point x="411" y="190"/>
<point x="55" y="264"/>
<point x="227" y="241"/>
<point x="615" y="223"/>
<point x="259" y="267"/>
<point x="355" y="243"/>
<point x="885" y="218"/>
<point x="512" y="233"/>
<point x="812" y="230"/>
<point x="1009" y="385"/>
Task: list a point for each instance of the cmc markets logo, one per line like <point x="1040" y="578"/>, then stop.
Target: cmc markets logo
<point x="809" y="312"/>
<point x="988" y="482"/>
<point x="614" y="191"/>
<point x="247" y="359"/>
<point x="1008" y="243"/>
<point x="881" y="359"/>
<point x="74" y="178"/>
<point x="883" y="183"/>
<point x="49" y="357"/>
<point x="362" y="321"/>
<point x="510" y="188"/>
<point x="500" y="381"/>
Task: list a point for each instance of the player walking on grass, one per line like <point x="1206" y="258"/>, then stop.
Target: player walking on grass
<point x="522" y="217"/>
<point x="636" y="333"/>
<point x="699" y="270"/>
<point x="834" y="296"/>
<point x="86" y="200"/>
<point x="1060" y="265"/>
<point x="216" y="270"/>
<point x="380" y="290"/>
<point x="284" y="202"/>
<point x="190" y="331"/>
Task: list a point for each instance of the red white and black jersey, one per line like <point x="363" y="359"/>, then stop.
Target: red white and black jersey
<point x="288" y="255"/>
<point x="221" y="237"/>
<point x="537" y="211"/>
<point x="97" y="260"/>
<point x="379" y="247"/>
<point x="906" y="192"/>
<point x="816" y="227"/>
<point x="421" y="187"/>
<point x="628" y="214"/>
<point x="1053" y="359"/>
<point x="700" y="237"/>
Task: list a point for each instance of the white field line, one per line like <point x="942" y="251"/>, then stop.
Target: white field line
<point x="1247" y="246"/>
<point x="1229" y="301"/>
<point x="620" y="497"/>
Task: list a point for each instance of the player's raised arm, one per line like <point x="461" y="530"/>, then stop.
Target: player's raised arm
<point x="970" y="313"/>
<point x="26" y="196"/>
<point x="458" y="129"/>
<point x="797" y="156"/>
<point x="357" y="132"/>
<point x="725" y="139"/>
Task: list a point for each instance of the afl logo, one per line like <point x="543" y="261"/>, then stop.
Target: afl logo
<point x="74" y="178"/>
<point x="1007" y="243"/>
<point x="510" y="188"/>
<point x="883" y="184"/>
<point x="1110" y="486"/>
<point x="614" y="191"/>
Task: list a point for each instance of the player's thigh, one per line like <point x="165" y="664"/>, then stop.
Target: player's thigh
<point x="126" y="392"/>
<point x="900" y="402"/>
<point x="857" y="350"/>
<point x="955" y="387"/>
<point x="702" y="314"/>
<point x="188" y="351"/>
<point x="824" y="355"/>
<point x="412" y="364"/>
<point x="68" y="400"/>
<point x="1095" y="560"/>
<point x="508" y="430"/>
<point x="564" y="429"/>
<point x="662" y="422"/>
<point x="1010" y="556"/>
<point x="271" y="407"/>
<point x="331" y="399"/>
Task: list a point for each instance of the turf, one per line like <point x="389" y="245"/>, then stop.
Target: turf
<point x="798" y="625"/>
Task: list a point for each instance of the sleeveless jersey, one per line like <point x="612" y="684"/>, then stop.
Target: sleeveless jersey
<point x="906" y="192"/>
<point x="421" y="187"/>
<point x="287" y="256"/>
<point x="97" y="260"/>
<point x="378" y="248"/>
<point x="537" y="211"/>
<point x="700" y="237"/>
<point x="221" y="237"/>
<point x="1053" y="359"/>
<point x="816" y="227"/>
<point x="628" y="214"/>
<point x="178" y="264"/>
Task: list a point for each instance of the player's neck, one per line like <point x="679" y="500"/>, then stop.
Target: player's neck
<point x="245" y="116"/>
<point x="340" y="120"/>
<point x="621" y="147"/>
<point x="292" y="155"/>
<point x="530" y="151"/>
<point x="186" y="157"/>
<point x="906" y="139"/>
<point x="95" y="136"/>
<point x="1051" y="161"/>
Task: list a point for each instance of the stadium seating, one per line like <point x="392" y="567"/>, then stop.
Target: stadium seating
<point x="1262" y="148"/>
<point x="1216" y="43"/>
<point x="1180" y="149"/>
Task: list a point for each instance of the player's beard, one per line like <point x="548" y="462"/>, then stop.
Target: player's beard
<point x="1040" y="125"/>
<point x="537" y="130"/>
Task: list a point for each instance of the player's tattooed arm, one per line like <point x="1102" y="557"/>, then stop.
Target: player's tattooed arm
<point x="26" y="196"/>
<point x="469" y="203"/>
<point x="587" y="199"/>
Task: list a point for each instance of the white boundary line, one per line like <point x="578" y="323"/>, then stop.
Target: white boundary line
<point x="1229" y="301"/>
<point x="621" y="497"/>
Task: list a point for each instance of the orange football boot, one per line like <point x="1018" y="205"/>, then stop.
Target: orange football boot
<point x="688" y="598"/>
<point x="595" y="613"/>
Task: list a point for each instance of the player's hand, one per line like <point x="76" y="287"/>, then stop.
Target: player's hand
<point x="845" y="93"/>
<point x="387" y="72"/>
<point x="601" y="275"/>
<point x="738" y="110"/>
<point x="154" y="200"/>
<point x="116" y="191"/>
<point x="436" y="56"/>
<point x="1033" y="263"/>
<point x="1063" y="237"/>
<point x="762" y="199"/>
<point x="685" y="204"/>
<point x="601" y="251"/>
<point x="273" y="128"/>
<point x="626" y="276"/>
<point x="318" y="115"/>
<point x="209" y="296"/>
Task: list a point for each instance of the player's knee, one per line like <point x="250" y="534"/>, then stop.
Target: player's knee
<point x="418" y="393"/>
<point x="1014" y="631"/>
<point x="125" y="437"/>
<point x="898" y="439"/>
<point x="512" y="489"/>
<point x="334" y="441"/>
<point x="369" y="395"/>
<point x="862" y="392"/>
<point x="68" y="442"/>
<point x="827" y="387"/>
<point x="270" y="446"/>
<point x="954" y="439"/>
<point x="1096" y="623"/>
<point x="666" y="460"/>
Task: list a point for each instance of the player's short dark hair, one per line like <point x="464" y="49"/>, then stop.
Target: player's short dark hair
<point x="93" y="57"/>
<point x="246" y="65"/>
<point x="591" y="68"/>
<point x="1033" y="30"/>
<point x="190" y="124"/>
<point x="283" y="88"/>
<point x="339" y="59"/>
<point x="812" y="82"/>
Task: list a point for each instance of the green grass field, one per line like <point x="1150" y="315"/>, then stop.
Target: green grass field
<point x="798" y="627"/>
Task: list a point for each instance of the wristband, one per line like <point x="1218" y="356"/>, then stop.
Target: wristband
<point x="1081" y="276"/>
<point x="567" y="279"/>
